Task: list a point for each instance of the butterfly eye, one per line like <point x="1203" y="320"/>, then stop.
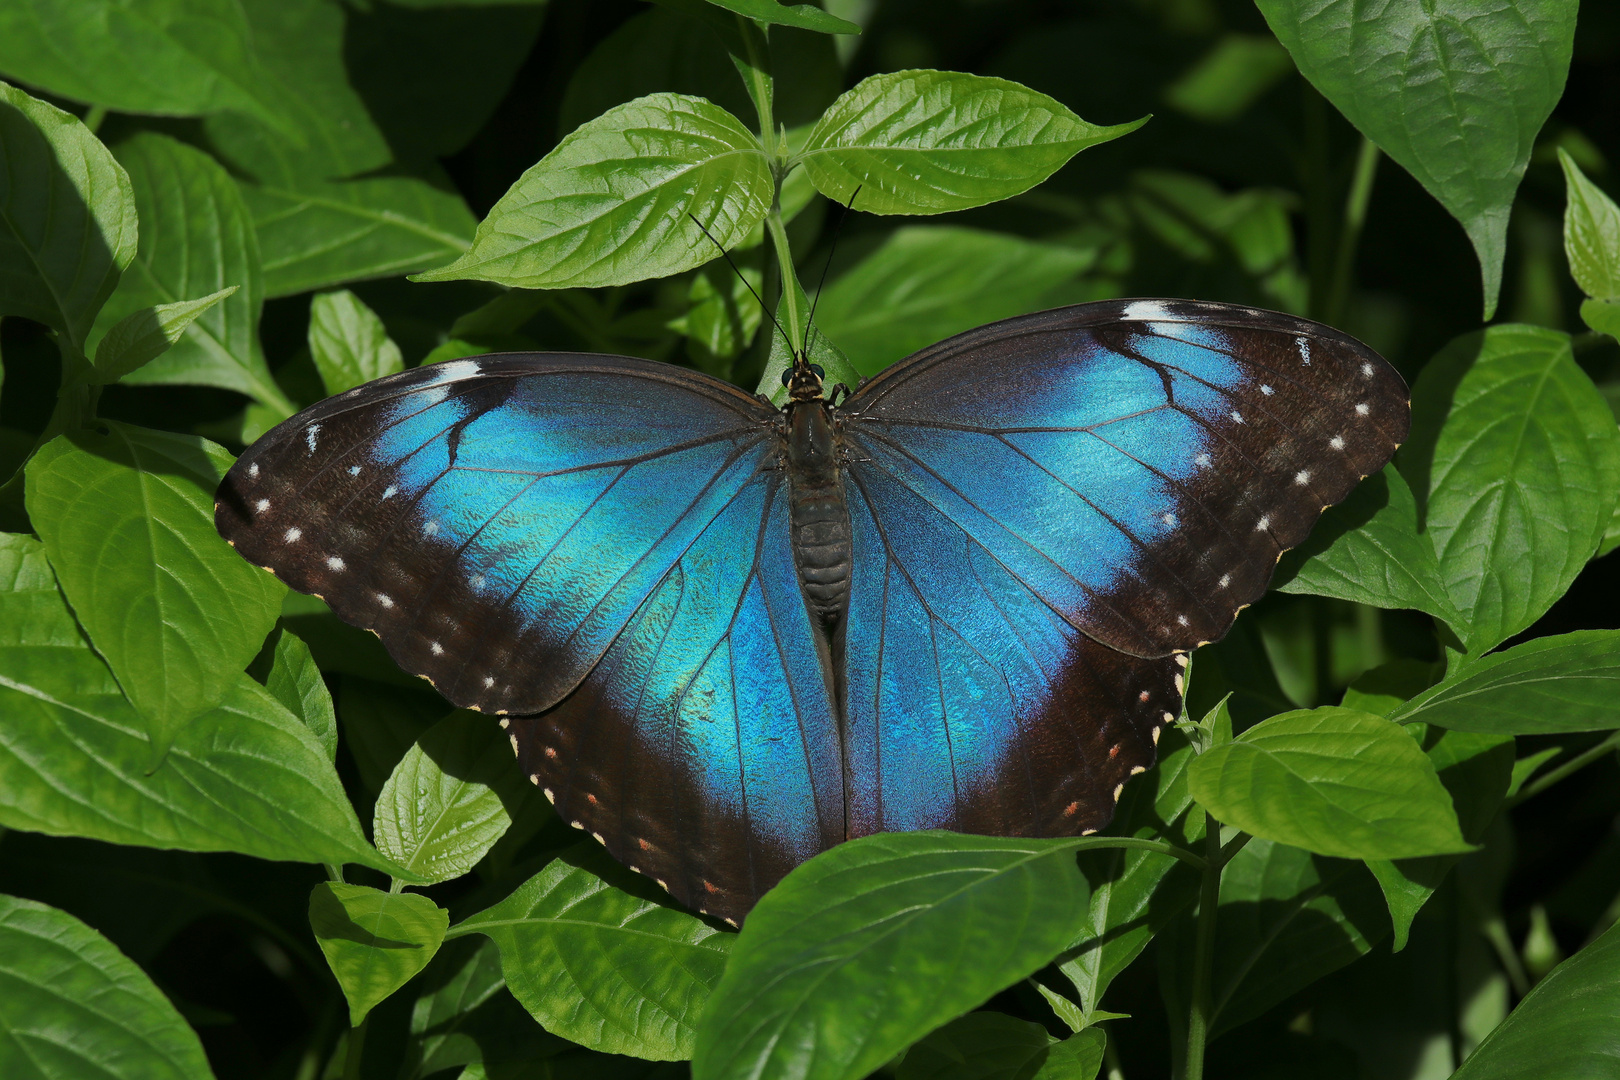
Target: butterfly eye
<point x="787" y="376"/>
<point x="820" y="374"/>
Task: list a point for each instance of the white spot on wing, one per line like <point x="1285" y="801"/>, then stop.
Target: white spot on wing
<point x="292" y="534"/>
<point x="1182" y="619"/>
<point x="455" y="370"/>
<point x="431" y="527"/>
<point x="1263" y="524"/>
<point x="385" y="600"/>
<point x="476" y="581"/>
<point x="253" y="470"/>
<point x="1266" y="390"/>
<point x="1146" y="310"/>
<point x="514" y="743"/>
<point x="335" y="563"/>
<point x="1169" y="718"/>
<point x="1237" y="417"/>
<point x="1361" y="409"/>
<point x="309" y="436"/>
<point x="1337" y="442"/>
<point x="489" y="681"/>
<point x="262" y="505"/>
<point x="354" y="470"/>
<point x="389" y="491"/>
<point x="1226" y="579"/>
<point x="1302" y="477"/>
<point x="438" y="650"/>
<point x="1202" y="461"/>
<point x="1366" y="371"/>
<point x="1169" y="519"/>
<point x="1304" y="351"/>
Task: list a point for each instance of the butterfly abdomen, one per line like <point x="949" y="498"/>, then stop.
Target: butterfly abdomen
<point x="820" y="516"/>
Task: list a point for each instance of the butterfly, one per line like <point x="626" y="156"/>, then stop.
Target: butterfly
<point x="724" y="636"/>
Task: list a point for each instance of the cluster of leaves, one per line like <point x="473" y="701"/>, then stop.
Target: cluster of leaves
<point x="158" y="693"/>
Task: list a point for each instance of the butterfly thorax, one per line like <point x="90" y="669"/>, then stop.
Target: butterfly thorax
<point x="820" y="516"/>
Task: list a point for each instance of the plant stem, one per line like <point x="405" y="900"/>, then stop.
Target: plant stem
<point x="1495" y="932"/>
<point x="94" y="116"/>
<point x="1198" y="1014"/>
<point x="1196" y="861"/>
<point x="1574" y="764"/>
<point x="356" y="1050"/>
<point x="754" y="65"/>
<point x="1355" y="216"/>
<point x="792" y="292"/>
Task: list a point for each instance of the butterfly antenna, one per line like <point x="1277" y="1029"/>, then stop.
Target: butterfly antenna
<point x="837" y="228"/>
<point x="727" y="256"/>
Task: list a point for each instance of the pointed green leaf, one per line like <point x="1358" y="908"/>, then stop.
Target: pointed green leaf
<point x="1567" y="682"/>
<point x="1602" y="316"/>
<point x="868" y="947"/>
<point x="1591" y="233"/>
<point x="1368" y="549"/>
<point x="449" y="799"/>
<point x="196" y="239"/>
<point x="1453" y="90"/>
<point x="836" y="367"/>
<point x="927" y="282"/>
<point x="803" y="16"/>
<point x="72" y="1005"/>
<point x="67" y="217"/>
<point x="610" y="204"/>
<point x="1515" y="462"/>
<point x="374" y="941"/>
<point x="1564" y="1027"/>
<point x="246" y="776"/>
<point x="601" y="956"/>
<point x="295" y="681"/>
<point x="979" y="1046"/>
<point x="1333" y="781"/>
<point x="163" y="57"/>
<point x="927" y="142"/>
<point x="127" y="517"/>
<point x="147" y="334"/>
<point x="348" y="343"/>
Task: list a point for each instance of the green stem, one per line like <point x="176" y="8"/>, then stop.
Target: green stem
<point x="1355" y="216"/>
<point x="334" y="872"/>
<point x="356" y="1050"/>
<point x="1495" y="931"/>
<point x="1112" y="1069"/>
<point x="755" y="68"/>
<point x="94" y="116"/>
<point x="1198" y="1013"/>
<point x="1192" y="859"/>
<point x="1574" y="764"/>
<point x="792" y="292"/>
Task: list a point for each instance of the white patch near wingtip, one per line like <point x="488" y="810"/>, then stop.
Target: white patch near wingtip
<point x="253" y="470"/>
<point x="309" y="436"/>
<point x="292" y="534"/>
<point x="1304" y="351"/>
<point x="385" y="600"/>
<point x="438" y="650"/>
<point x="389" y="491"/>
<point x="1266" y="390"/>
<point x="489" y="681"/>
<point x="1302" y="477"/>
<point x="335" y="562"/>
<point x="354" y="470"/>
<point x="514" y="743"/>
<point x="1169" y="519"/>
<point x="1182" y="619"/>
<point x="476" y="581"/>
<point x="1202" y="461"/>
<point x="1337" y="442"/>
<point x="431" y="527"/>
<point x="1366" y="371"/>
<point x="262" y="505"/>
<point x="1237" y="417"/>
<point x="1226" y="579"/>
<point x="1145" y="311"/>
<point x="1362" y="410"/>
<point x="454" y="371"/>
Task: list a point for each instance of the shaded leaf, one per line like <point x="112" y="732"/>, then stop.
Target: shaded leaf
<point x="601" y="956"/>
<point x="1515" y="462"/>
<point x="295" y="681"/>
<point x="449" y="799"/>
<point x="147" y="334"/>
<point x="1564" y="1027"/>
<point x="610" y="204"/>
<point x="1332" y="781"/>
<point x="1454" y="91"/>
<point x="927" y="282"/>
<point x="374" y="941"/>
<point x="72" y="1005"/>
<point x="835" y="366"/>
<point x="887" y="936"/>
<point x="127" y="518"/>
<point x="1591" y="233"/>
<point x="246" y="776"/>
<point x="348" y="343"/>
<point x="1368" y="549"/>
<point x="68" y="214"/>
<point x="196" y="239"/>
<point x="979" y="1046"/>
<point x="1565" y="682"/>
<point x="926" y="142"/>
<point x="804" y="16"/>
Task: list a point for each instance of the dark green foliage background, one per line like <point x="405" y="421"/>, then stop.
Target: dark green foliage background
<point x="1236" y="191"/>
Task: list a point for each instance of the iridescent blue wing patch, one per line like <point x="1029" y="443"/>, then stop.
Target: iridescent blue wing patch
<point x="1138" y="465"/>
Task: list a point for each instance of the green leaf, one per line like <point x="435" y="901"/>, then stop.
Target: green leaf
<point x="721" y="320"/>
<point x="1567" y="682"/>
<point x="1454" y="91"/>
<point x="610" y="204"/>
<point x="1564" y="1027"/>
<point x="803" y="16"/>
<point x="1333" y="781"/>
<point x="295" y="681"/>
<point x="1233" y="75"/>
<point x="468" y="1017"/>
<point x="1079" y="1057"/>
<point x="1384" y="688"/>
<point x="927" y="282"/>
<point x="127" y="518"/>
<point x="601" y="956"/>
<point x="315" y="234"/>
<point x="72" y="1005"/>
<point x="196" y="240"/>
<point x="246" y="776"/>
<point x="374" y="941"/>
<point x="68" y="216"/>
<point x="1368" y="549"/>
<point x="449" y="799"/>
<point x="1515" y="461"/>
<point x="1602" y="316"/>
<point x="163" y="57"/>
<point x="147" y="334"/>
<point x="834" y="364"/>
<point x="867" y="947"/>
<point x="348" y="343"/>
<point x="989" y="1046"/>
<point x="1135" y="893"/>
<point x="1476" y="770"/>
<point x="926" y="142"/>
<point x="1591" y="233"/>
<point x="382" y="722"/>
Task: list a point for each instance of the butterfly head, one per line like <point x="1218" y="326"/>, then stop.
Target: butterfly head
<point x="803" y="379"/>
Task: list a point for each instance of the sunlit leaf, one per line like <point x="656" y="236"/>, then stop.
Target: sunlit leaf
<point x="147" y="334"/>
<point x="348" y="343"/>
<point x="374" y="941"/>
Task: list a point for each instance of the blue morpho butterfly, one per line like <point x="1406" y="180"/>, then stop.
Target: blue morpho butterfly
<point x="725" y="636"/>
